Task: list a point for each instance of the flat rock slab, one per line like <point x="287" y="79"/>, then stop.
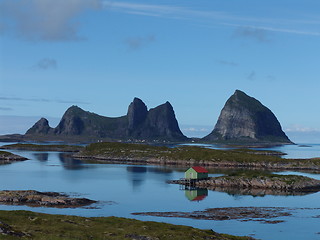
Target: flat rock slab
<point x="34" y="198"/>
<point x="260" y="214"/>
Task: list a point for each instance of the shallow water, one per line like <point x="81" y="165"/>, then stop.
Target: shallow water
<point x="124" y="189"/>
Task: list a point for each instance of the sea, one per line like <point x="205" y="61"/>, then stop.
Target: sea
<point x="125" y="189"/>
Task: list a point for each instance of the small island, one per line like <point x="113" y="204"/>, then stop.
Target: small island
<point x="6" y="157"/>
<point x="274" y="183"/>
<point x="34" y="198"/>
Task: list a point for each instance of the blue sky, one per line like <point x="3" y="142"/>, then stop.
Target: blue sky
<point x="99" y="55"/>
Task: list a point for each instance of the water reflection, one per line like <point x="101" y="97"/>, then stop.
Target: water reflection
<point x="196" y="194"/>
<point x="70" y="163"/>
<point x="137" y="176"/>
<point x="42" y="157"/>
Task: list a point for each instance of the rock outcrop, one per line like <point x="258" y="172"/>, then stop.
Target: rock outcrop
<point x="39" y="199"/>
<point x="40" y="127"/>
<point x="245" y="119"/>
<point x="271" y="184"/>
<point x="7" y="157"/>
<point x="158" y="123"/>
<point x="139" y="124"/>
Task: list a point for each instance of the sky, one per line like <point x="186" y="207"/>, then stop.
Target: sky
<point x="100" y="54"/>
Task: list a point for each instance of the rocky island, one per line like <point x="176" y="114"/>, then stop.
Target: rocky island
<point x="6" y="157"/>
<point x="41" y="199"/>
<point x="156" y="124"/>
<point x="273" y="184"/>
<point x="244" y="119"/>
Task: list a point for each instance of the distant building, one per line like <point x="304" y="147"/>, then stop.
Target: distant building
<point x="196" y="172"/>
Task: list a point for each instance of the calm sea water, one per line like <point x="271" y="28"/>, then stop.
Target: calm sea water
<point x="292" y="151"/>
<point x="124" y="189"/>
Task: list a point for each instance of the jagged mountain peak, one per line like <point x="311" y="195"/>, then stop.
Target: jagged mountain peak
<point x="158" y="123"/>
<point x="40" y="127"/>
<point x="137" y="113"/>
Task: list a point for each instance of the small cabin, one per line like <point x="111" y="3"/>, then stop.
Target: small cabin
<point x="196" y="173"/>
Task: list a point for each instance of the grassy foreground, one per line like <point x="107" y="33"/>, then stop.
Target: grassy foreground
<point x="30" y="225"/>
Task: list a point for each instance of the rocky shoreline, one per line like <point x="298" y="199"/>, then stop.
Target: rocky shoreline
<point x="281" y="183"/>
<point x="286" y="164"/>
<point x="34" y="198"/>
<point x="124" y="153"/>
<point x="6" y="157"/>
<point x="38" y="147"/>
<point x="267" y="215"/>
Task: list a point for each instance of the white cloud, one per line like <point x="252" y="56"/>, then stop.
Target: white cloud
<point x="49" y="20"/>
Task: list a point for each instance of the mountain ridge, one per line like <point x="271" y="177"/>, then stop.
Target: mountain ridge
<point x="158" y="123"/>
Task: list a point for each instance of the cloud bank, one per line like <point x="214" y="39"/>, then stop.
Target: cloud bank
<point x="48" y="20"/>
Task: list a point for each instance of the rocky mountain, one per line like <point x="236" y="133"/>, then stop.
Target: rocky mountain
<point x="139" y="124"/>
<point x="245" y="119"/>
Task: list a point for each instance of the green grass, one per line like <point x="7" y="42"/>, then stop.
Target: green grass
<point x="127" y="150"/>
<point x="196" y="155"/>
<point x="50" y="227"/>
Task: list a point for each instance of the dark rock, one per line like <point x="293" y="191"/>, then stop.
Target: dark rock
<point x="137" y="114"/>
<point x="160" y="123"/>
<point x="245" y="119"/>
<point x="37" y="199"/>
<point x="79" y="123"/>
<point x="6" y="229"/>
<point x="139" y="124"/>
<point x="40" y="127"/>
<point x="7" y="157"/>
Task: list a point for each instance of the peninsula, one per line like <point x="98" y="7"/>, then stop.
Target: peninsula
<point x="41" y="199"/>
<point x="125" y="153"/>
